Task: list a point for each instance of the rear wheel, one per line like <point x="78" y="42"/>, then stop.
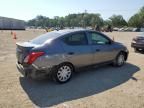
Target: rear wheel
<point x="120" y="60"/>
<point x="136" y="49"/>
<point x="63" y="73"/>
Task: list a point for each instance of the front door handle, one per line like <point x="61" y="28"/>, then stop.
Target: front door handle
<point x="70" y="53"/>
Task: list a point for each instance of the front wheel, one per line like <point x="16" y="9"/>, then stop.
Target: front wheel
<point x="63" y="73"/>
<point x="120" y="60"/>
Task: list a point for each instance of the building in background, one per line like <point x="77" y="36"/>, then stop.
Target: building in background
<point x="11" y="24"/>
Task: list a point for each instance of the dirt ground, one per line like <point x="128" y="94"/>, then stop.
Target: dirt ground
<point x="103" y="87"/>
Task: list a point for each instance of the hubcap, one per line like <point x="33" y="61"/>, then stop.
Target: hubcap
<point x="121" y="59"/>
<point x="64" y="73"/>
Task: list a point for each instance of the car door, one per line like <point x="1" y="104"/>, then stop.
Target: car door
<point x="102" y="47"/>
<point x="77" y="50"/>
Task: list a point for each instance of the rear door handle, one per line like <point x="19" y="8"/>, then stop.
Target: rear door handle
<point x="70" y="53"/>
<point x="97" y="50"/>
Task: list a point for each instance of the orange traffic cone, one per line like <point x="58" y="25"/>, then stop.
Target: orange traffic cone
<point x="14" y="36"/>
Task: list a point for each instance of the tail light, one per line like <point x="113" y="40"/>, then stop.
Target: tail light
<point x="32" y="57"/>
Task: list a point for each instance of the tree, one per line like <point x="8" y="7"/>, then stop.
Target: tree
<point x="77" y="20"/>
<point x="137" y="20"/>
<point x="96" y="20"/>
<point x="41" y="21"/>
<point x="108" y="22"/>
<point x="118" y="21"/>
<point x="31" y="22"/>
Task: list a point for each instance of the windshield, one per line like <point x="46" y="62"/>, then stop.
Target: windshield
<point x="45" y="37"/>
<point x="141" y="34"/>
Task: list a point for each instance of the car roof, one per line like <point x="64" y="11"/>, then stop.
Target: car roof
<point x="61" y="33"/>
<point x="53" y="35"/>
<point x="44" y="38"/>
<point x="66" y="31"/>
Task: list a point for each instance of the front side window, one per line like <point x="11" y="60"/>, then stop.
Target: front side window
<point x="98" y="39"/>
<point x="76" y="39"/>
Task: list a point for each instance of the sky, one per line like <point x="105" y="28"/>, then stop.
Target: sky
<point x="29" y="9"/>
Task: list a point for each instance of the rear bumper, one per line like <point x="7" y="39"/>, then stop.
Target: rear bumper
<point x="24" y="71"/>
<point x="32" y="72"/>
<point x="136" y="45"/>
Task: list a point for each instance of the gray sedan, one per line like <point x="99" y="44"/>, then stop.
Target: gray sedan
<point x="60" y="53"/>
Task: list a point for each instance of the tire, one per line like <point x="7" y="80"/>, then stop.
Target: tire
<point x="63" y="73"/>
<point x="136" y="49"/>
<point x="120" y="60"/>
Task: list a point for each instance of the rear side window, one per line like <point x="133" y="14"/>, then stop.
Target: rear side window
<point x="76" y="39"/>
<point x="45" y="37"/>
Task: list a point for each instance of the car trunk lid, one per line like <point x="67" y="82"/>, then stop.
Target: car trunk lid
<point x="22" y="50"/>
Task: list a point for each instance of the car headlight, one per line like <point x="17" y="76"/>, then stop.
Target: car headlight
<point x="126" y="50"/>
<point x="133" y="41"/>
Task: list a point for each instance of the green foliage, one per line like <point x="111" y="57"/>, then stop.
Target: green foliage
<point x="118" y="21"/>
<point x="108" y="22"/>
<point x="88" y="19"/>
<point x="137" y="20"/>
<point x="72" y="20"/>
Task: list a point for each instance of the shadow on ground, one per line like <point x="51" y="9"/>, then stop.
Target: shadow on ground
<point x="46" y="93"/>
<point x="140" y="51"/>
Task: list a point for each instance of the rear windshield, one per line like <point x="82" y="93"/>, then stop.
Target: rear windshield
<point x="45" y="37"/>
